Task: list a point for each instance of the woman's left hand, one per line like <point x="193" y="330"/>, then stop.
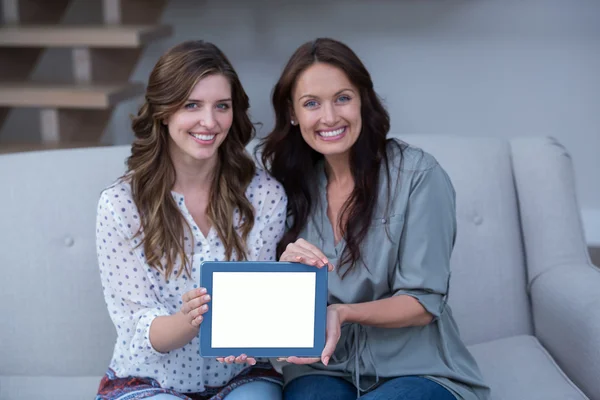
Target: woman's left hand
<point x="237" y="360"/>
<point x="333" y="332"/>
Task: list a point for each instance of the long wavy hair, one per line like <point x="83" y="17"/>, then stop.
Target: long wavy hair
<point x="287" y="156"/>
<point x="151" y="172"/>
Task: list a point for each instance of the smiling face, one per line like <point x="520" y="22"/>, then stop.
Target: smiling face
<point x="198" y="128"/>
<point x="326" y="106"/>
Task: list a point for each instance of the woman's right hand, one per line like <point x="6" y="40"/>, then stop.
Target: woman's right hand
<point x="194" y="305"/>
<point x="303" y="252"/>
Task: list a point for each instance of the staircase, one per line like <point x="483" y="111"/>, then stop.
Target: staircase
<point x="102" y="58"/>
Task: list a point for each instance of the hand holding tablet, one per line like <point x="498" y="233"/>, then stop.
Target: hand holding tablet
<point x="194" y="305"/>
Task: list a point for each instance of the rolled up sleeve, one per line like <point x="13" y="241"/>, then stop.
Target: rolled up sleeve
<point x="423" y="268"/>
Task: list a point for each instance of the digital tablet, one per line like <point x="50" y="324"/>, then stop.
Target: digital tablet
<point x="263" y="309"/>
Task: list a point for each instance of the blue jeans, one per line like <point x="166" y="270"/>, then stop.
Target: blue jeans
<point x="322" y="387"/>
<point x="259" y="390"/>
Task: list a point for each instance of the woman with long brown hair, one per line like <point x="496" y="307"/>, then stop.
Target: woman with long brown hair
<point x="383" y="213"/>
<point x="190" y="193"/>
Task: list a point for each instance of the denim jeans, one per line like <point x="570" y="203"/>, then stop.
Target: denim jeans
<point x="322" y="387"/>
<point x="259" y="390"/>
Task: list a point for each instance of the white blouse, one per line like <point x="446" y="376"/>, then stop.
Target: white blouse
<point x="135" y="294"/>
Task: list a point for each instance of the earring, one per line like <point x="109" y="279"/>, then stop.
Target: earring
<point x="293" y="122"/>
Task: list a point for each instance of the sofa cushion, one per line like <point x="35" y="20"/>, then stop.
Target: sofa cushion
<point x="519" y="368"/>
<point x="48" y="387"/>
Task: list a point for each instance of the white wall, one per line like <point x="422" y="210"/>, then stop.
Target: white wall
<point x="499" y="68"/>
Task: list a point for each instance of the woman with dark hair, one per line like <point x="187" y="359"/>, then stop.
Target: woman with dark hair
<point x="191" y="193"/>
<point x="383" y="213"/>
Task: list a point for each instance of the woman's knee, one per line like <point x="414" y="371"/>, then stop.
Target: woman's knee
<point x="256" y="390"/>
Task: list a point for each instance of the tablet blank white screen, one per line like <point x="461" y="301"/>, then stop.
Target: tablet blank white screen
<point x="263" y="309"/>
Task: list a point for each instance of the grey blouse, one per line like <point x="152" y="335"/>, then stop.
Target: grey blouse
<point x="406" y="252"/>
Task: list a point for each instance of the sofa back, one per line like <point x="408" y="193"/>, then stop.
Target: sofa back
<point x="488" y="288"/>
<point x="54" y="319"/>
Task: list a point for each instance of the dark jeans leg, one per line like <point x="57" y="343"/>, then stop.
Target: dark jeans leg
<point x="409" y="388"/>
<point x="319" y="387"/>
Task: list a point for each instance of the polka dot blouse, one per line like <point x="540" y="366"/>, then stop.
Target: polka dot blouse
<point x="135" y="294"/>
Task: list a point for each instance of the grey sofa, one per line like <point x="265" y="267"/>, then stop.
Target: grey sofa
<point x="523" y="291"/>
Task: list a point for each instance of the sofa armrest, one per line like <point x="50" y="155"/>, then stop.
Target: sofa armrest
<point x="566" y="315"/>
<point x="549" y="211"/>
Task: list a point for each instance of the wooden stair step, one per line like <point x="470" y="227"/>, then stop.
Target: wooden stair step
<point x="111" y="36"/>
<point x="20" y="147"/>
<point x="79" y="96"/>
